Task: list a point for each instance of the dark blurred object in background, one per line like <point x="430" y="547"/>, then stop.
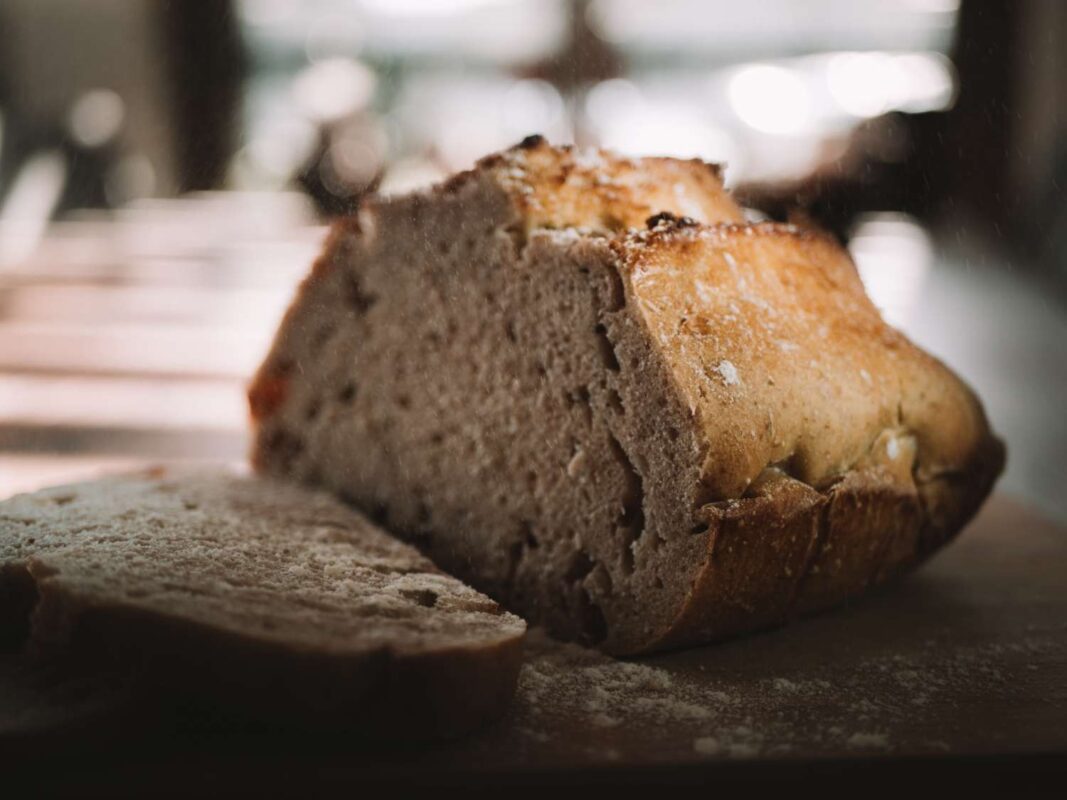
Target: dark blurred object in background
<point x="127" y="99"/>
<point x="204" y="67"/>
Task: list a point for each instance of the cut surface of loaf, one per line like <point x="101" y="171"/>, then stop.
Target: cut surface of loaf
<point x="585" y="385"/>
<point x="258" y="592"/>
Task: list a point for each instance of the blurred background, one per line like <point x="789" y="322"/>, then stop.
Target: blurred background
<point x="167" y="170"/>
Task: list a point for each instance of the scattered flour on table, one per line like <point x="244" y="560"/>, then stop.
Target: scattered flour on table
<point x="564" y="688"/>
<point x="868" y="740"/>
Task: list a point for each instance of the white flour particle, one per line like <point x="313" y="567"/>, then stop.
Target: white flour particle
<point x="707" y="745"/>
<point x="744" y="750"/>
<point x="728" y="372"/>
<point x="602" y="720"/>
<point x="868" y="740"/>
<point x="589" y="158"/>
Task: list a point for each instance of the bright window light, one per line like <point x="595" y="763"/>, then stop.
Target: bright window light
<point x="893" y="254"/>
<point x="333" y="88"/>
<point x="771" y="99"/>
<point x="869" y="84"/>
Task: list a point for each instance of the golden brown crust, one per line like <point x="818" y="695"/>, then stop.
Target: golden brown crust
<point x="788" y="550"/>
<point x="403" y="696"/>
<point x="838" y="454"/>
<point x="783" y="359"/>
<point x="567" y="187"/>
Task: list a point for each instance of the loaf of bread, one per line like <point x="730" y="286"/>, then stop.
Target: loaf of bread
<point x="260" y="595"/>
<point x="584" y="385"/>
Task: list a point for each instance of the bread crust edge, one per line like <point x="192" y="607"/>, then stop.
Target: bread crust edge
<point x="885" y="526"/>
<point x="388" y="692"/>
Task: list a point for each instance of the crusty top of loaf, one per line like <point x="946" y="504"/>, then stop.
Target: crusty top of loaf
<point x="568" y="187"/>
<point x="783" y="360"/>
<point x="257" y="558"/>
<point x="767" y="329"/>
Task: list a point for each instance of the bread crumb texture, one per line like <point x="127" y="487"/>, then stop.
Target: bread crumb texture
<point x="585" y="386"/>
<point x="255" y="558"/>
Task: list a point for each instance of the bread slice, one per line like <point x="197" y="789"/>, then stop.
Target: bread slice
<point x="264" y="595"/>
<point x="640" y="435"/>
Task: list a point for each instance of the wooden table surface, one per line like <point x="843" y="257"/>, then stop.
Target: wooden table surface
<point x="960" y="669"/>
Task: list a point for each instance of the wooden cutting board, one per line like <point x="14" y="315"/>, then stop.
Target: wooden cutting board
<point x="960" y="669"/>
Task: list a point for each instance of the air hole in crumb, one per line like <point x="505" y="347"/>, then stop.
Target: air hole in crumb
<point x="672" y="433"/>
<point x="313" y="409"/>
<point x="700" y="529"/>
<point x="347" y="393"/>
<point x="514" y="558"/>
<point x="657" y="582"/>
<point x="422" y="512"/>
<point x="423" y="597"/>
<point x="284" y="446"/>
<point x="321" y="336"/>
<point x="190" y="505"/>
<point x="509" y="331"/>
<point x="616" y="291"/>
<point x="579" y="398"/>
<point x="593" y="624"/>
<point x="607" y="350"/>
<point x="632" y="517"/>
<point x="615" y="402"/>
<point x="404" y="401"/>
<point x="580" y="566"/>
<point x="517" y="234"/>
<point x="64" y="499"/>
<point x="355" y="295"/>
<point x="576" y="396"/>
